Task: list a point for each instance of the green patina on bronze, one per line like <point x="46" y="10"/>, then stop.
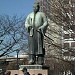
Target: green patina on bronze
<point x="36" y="25"/>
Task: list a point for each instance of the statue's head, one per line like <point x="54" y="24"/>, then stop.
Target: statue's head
<point x="36" y="7"/>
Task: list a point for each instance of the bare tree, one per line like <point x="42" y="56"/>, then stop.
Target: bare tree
<point x="12" y="35"/>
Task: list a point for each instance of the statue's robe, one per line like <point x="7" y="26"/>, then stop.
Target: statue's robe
<point x="37" y="31"/>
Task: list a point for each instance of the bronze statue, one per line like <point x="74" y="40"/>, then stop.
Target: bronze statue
<point x="36" y="25"/>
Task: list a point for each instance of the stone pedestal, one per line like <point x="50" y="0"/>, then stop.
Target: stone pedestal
<point x="32" y="69"/>
<point x="35" y="69"/>
<point x="32" y="72"/>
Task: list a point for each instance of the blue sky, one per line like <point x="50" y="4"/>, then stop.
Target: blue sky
<point x="16" y="7"/>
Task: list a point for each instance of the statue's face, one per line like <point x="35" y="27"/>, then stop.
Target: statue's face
<point x="36" y="8"/>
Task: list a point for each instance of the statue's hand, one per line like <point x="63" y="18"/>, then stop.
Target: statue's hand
<point x="29" y="28"/>
<point x="39" y="28"/>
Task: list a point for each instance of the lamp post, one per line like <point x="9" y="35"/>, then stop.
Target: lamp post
<point x="17" y="59"/>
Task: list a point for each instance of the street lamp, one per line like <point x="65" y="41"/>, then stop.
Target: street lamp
<point x="17" y="59"/>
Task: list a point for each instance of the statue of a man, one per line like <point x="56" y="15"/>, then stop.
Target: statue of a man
<point x="36" y="24"/>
